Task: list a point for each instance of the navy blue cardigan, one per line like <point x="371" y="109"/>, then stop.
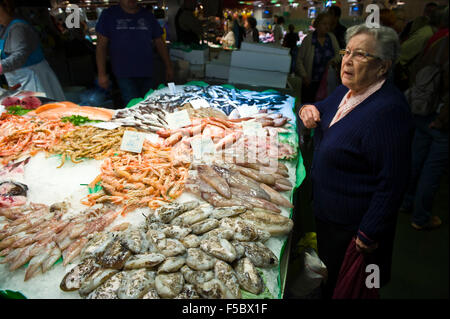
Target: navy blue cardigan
<point x="361" y="164"/>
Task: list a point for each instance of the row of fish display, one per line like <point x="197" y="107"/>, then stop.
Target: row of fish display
<point x="219" y="97"/>
<point x="227" y="184"/>
<point x="183" y="250"/>
<point x="147" y="117"/>
<point x="41" y="234"/>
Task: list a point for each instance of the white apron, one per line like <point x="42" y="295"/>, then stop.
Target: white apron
<point x="37" y="78"/>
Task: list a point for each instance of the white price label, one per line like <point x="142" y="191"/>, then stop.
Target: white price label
<point x="172" y="87"/>
<point x="106" y="125"/>
<point x="253" y="128"/>
<point x="199" y="103"/>
<point x="132" y="142"/>
<point x="178" y="119"/>
<point x="247" y="110"/>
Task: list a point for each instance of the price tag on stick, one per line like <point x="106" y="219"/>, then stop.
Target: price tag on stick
<point x="172" y="87"/>
<point x="132" y="142"/>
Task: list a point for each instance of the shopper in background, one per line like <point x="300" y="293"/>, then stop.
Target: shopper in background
<point x="251" y="32"/>
<point x="411" y="50"/>
<point x="418" y="22"/>
<point x="290" y="41"/>
<point x="189" y="29"/>
<point x="318" y="51"/>
<point x="400" y="20"/>
<point x="228" y="40"/>
<point x="278" y="31"/>
<point x="362" y="155"/>
<point x="160" y="16"/>
<point x="238" y="30"/>
<point x="128" y="32"/>
<point x="336" y="27"/>
<point x="22" y="59"/>
<point x="430" y="143"/>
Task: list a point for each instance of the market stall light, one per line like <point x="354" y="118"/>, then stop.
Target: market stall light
<point x="278" y="5"/>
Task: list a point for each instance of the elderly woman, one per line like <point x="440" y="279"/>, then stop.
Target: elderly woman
<point x="362" y="154"/>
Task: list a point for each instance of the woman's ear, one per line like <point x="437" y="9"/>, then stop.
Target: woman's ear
<point x="385" y="65"/>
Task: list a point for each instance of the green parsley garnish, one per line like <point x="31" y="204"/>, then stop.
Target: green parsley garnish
<point x="78" y="120"/>
<point x="17" y="110"/>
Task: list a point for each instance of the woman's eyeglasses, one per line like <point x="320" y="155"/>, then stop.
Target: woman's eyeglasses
<point x="359" y="55"/>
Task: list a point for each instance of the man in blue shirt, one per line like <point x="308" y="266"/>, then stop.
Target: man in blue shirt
<point x="127" y="33"/>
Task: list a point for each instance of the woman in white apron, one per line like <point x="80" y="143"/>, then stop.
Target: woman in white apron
<point x="22" y="60"/>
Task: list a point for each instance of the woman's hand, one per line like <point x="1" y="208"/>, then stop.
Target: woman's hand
<point x="309" y="115"/>
<point x="363" y="248"/>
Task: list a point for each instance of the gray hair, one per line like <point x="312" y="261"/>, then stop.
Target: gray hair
<point x="387" y="41"/>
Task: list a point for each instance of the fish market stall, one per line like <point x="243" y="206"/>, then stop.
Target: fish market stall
<point x="185" y="193"/>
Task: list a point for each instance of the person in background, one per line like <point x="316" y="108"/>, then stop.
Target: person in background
<point x="278" y="31"/>
<point x="318" y="50"/>
<point x="160" y="15"/>
<point x="411" y="50"/>
<point x="336" y="27"/>
<point x="228" y="40"/>
<point x="22" y="59"/>
<point x="362" y="155"/>
<point x="290" y="41"/>
<point x="188" y="27"/>
<point x="238" y="30"/>
<point x="400" y="20"/>
<point x="419" y="22"/>
<point x="430" y="143"/>
<point x="251" y="32"/>
<point x="128" y="33"/>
